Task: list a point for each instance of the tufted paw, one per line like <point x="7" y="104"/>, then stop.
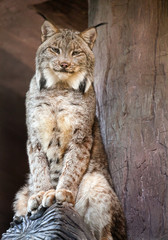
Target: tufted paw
<point x="34" y="202"/>
<point x="63" y="195"/>
<point x="49" y="198"/>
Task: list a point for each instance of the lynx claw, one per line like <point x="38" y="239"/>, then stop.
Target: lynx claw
<point x="28" y="214"/>
<point x="12" y="224"/>
<point x="38" y="213"/>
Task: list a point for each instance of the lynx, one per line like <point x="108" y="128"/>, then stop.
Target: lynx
<point x="66" y="155"/>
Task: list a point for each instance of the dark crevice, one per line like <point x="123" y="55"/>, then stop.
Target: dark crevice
<point x="155" y="65"/>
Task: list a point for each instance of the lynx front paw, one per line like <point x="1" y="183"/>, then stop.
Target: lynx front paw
<point x="49" y="198"/>
<point x="34" y="202"/>
<point x="63" y="195"/>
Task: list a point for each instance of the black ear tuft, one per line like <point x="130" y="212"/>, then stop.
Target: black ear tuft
<point x="42" y="15"/>
<point x="100" y="24"/>
<point x="89" y="35"/>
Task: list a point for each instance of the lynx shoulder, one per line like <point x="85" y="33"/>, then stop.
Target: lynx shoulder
<point x="66" y="156"/>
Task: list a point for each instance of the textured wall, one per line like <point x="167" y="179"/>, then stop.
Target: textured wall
<point x="132" y="104"/>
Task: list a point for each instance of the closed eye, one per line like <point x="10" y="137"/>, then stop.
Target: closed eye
<point x="74" y="53"/>
<point x="56" y="50"/>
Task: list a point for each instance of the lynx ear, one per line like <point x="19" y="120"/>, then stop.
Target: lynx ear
<point x="47" y="30"/>
<point x="89" y="36"/>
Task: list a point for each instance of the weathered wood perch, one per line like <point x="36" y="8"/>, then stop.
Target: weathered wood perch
<point x="57" y="222"/>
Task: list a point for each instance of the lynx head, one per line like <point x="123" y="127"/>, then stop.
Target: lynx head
<point x="65" y="56"/>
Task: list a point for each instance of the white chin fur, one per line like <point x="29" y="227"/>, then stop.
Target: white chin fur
<point x="51" y="78"/>
<point x="73" y="80"/>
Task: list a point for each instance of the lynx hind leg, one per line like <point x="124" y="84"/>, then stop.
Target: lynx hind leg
<point x="98" y="204"/>
<point x="21" y="201"/>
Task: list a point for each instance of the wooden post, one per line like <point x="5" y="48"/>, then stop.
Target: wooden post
<point x="132" y="104"/>
<point x="57" y="222"/>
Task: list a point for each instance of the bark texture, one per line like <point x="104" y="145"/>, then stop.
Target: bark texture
<point x="132" y="104"/>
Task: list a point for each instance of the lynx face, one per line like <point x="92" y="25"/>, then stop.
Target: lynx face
<point x="65" y="57"/>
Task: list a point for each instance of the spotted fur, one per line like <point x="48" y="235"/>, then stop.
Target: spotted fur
<point x="66" y="156"/>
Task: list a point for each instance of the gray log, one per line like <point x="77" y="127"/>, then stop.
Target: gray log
<point x="57" y="222"/>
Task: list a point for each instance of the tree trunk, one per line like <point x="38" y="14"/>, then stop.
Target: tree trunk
<point x="131" y="84"/>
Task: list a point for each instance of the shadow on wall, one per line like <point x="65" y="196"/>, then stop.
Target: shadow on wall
<point x="13" y="158"/>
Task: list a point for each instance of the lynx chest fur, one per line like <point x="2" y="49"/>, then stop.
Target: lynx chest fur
<point x="56" y="117"/>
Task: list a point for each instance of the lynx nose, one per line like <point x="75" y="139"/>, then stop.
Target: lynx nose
<point x="64" y="64"/>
